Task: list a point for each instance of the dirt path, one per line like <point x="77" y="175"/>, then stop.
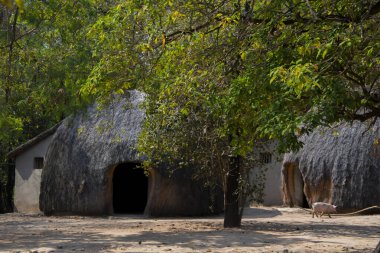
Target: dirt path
<point x="263" y="230"/>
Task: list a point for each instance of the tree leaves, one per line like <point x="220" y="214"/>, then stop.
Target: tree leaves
<point x="46" y="57"/>
<point x="11" y="4"/>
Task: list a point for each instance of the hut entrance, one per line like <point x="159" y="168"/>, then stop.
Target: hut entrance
<point x="295" y="187"/>
<point x="130" y="189"/>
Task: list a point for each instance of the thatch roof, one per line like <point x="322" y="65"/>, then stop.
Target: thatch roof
<point x="339" y="165"/>
<point x="18" y="150"/>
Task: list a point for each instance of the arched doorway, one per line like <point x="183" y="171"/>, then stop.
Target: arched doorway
<point x="295" y="186"/>
<point x="130" y="189"/>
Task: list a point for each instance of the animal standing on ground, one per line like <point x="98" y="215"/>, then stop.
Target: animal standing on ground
<point x="321" y="208"/>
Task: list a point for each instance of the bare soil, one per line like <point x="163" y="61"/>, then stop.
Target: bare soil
<point x="263" y="230"/>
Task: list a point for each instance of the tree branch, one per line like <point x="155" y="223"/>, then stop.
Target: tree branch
<point x="311" y="10"/>
<point x="188" y="31"/>
<point x="375" y="112"/>
<point x="12" y="32"/>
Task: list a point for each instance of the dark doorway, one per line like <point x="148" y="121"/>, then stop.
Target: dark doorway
<point x="295" y="187"/>
<point x="130" y="189"/>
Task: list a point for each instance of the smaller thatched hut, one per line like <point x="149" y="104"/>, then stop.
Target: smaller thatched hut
<point x="340" y="165"/>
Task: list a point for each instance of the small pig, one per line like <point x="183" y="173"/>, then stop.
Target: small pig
<point x="323" y="208"/>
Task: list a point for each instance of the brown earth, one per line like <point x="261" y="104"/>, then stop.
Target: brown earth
<point x="263" y="230"/>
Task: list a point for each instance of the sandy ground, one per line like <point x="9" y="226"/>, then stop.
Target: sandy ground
<point x="263" y="230"/>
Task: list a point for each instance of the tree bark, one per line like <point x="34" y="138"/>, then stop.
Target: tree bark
<point x="232" y="217"/>
<point x="12" y="29"/>
<point x="10" y="187"/>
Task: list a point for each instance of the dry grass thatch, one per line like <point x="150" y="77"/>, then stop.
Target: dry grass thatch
<point x="340" y="165"/>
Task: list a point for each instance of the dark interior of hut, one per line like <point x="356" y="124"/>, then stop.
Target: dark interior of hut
<point x="130" y="189"/>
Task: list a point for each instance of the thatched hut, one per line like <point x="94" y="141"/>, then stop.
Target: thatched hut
<point x="340" y="165"/>
<point x="92" y="168"/>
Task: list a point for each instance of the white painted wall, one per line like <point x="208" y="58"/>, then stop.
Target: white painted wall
<point x="272" y="189"/>
<point x="27" y="179"/>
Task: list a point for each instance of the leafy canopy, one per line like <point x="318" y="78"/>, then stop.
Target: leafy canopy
<point x="271" y="69"/>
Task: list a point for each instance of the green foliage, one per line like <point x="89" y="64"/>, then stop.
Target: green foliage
<point x="272" y="69"/>
<point x="45" y="58"/>
<point x="222" y="75"/>
<point x="323" y="52"/>
<point x="9" y="126"/>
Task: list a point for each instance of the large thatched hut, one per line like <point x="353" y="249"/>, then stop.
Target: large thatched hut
<point x="338" y="165"/>
<point x="92" y="168"/>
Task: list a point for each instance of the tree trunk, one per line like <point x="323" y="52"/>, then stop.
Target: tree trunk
<point x="10" y="187"/>
<point x="377" y="250"/>
<point x="12" y="29"/>
<point x="232" y="217"/>
<point x="6" y="187"/>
